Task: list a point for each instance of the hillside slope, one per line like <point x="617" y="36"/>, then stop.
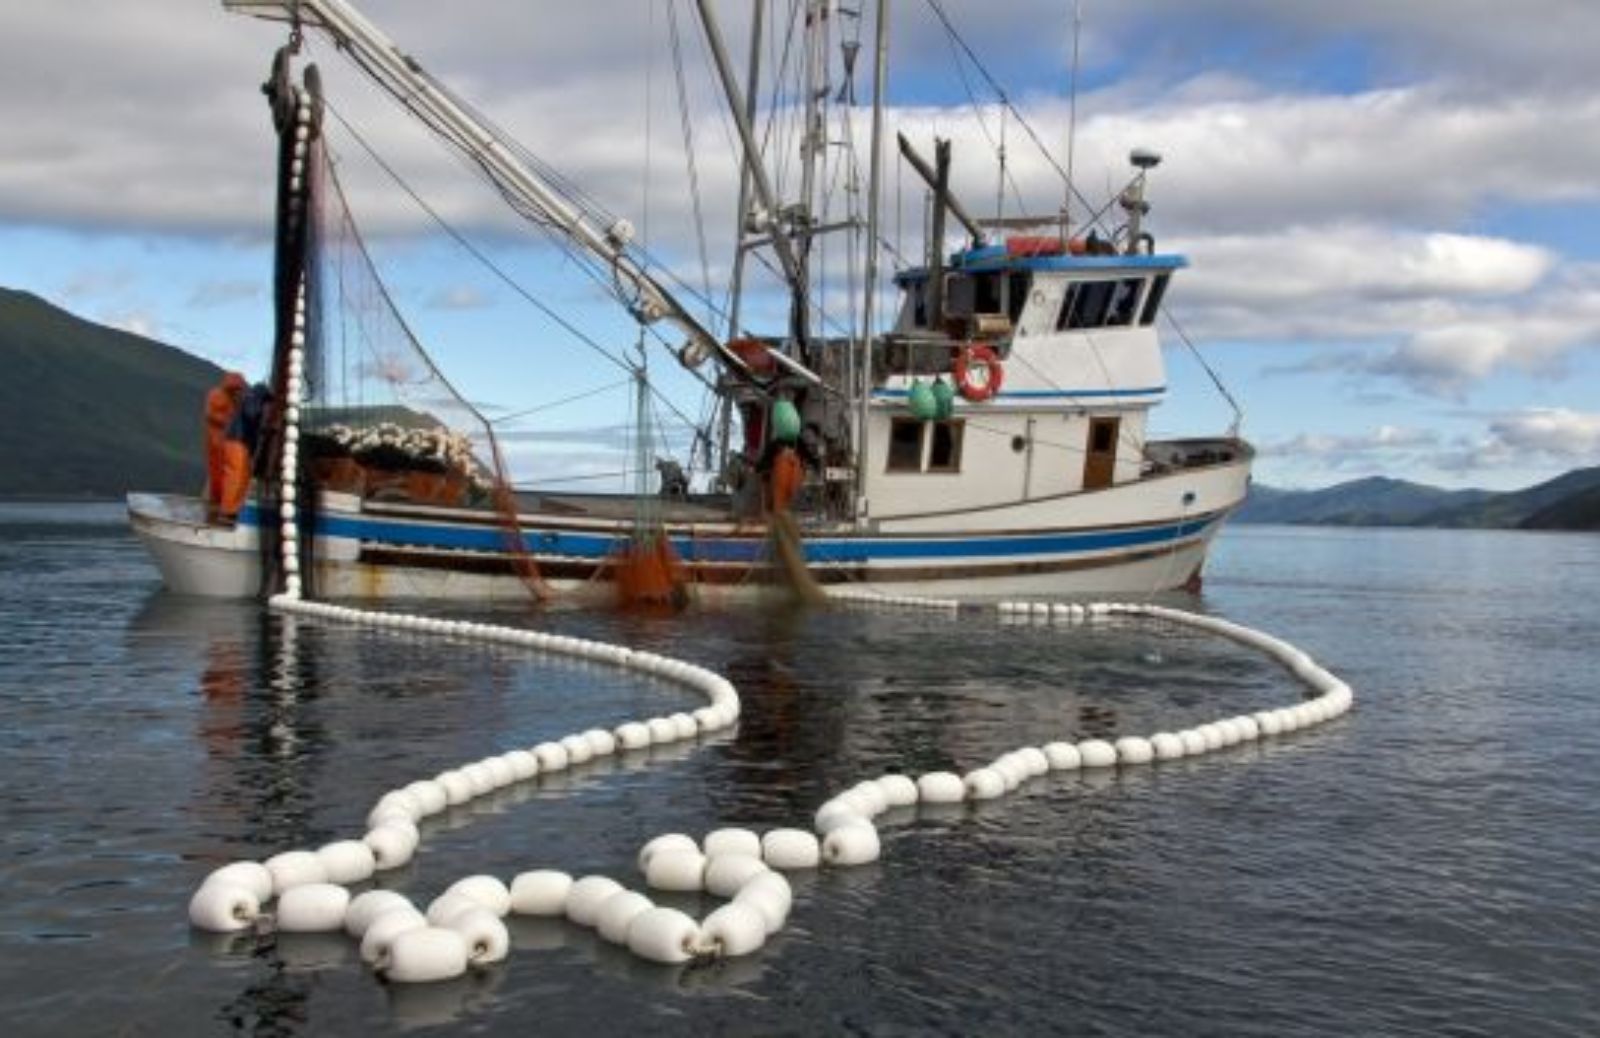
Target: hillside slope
<point x="87" y="410"/>
<point x="1568" y="502"/>
<point x="1374" y="501"/>
<point x="1517" y="507"/>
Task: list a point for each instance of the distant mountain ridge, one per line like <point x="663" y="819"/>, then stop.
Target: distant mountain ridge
<point x="90" y="411"/>
<point x="1568" y="502"/>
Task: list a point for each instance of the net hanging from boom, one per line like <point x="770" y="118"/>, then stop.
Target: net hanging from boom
<point x="380" y="420"/>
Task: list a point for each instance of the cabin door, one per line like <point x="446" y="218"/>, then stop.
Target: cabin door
<point x="1100" y="460"/>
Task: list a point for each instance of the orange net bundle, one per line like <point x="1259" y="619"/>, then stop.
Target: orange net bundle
<point x="646" y="568"/>
<point x="650" y="575"/>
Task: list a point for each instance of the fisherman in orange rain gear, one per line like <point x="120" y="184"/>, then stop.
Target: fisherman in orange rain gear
<point x="238" y="448"/>
<point x="221" y="403"/>
<point x="787" y="474"/>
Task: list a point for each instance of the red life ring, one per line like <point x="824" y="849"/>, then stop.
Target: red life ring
<point x="978" y="373"/>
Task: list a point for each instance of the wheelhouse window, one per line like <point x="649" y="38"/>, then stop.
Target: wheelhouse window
<point x="1124" y="302"/>
<point x="944" y="448"/>
<point x="986" y="294"/>
<point x="1152" y="302"/>
<point x="918" y="446"/>
<point x="905" y="445"/>
<point x="1089" y="304"/>
<point x="1018" y="285"/>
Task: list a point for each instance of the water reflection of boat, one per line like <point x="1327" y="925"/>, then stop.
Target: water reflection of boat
<point x="995" y="439"/>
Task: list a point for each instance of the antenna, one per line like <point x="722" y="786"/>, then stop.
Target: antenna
<point x="1072" y="116"/>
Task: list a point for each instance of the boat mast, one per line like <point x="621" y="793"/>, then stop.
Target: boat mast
<point x="1072" y="119"/>
<point x="812" y="144"/>
<point x="770" y="212"/>
<point x="752" y="82"/>
<point x="404" y="78"/>
<point x="880" y="66"/>
<point x="741" y="222"/>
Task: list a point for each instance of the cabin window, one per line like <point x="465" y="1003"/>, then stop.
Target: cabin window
<point x="1102" y="436"/>
<point x="1089" y="304"/>
<point x="944" y="452"/>
<point x="1124" y="302"/>
<point x="1017" y="287"/>
<point x="905" y="445"/>
<point x="919" y="304"/>
<point x="1153" y="302"/>
<point x="1068" y="299"/>
<point x="959" y="295"/>
<point x="986" y="292"/>
<point x="910" y="438"/>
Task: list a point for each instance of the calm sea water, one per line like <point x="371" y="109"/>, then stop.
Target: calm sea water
<point x="1429" y="864"/>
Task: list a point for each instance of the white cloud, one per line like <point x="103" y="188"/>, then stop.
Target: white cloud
<point x="1356" y="262"/>
<point x="1530" y="439"/>
<point x="1383" y="446"/>
<point x="1313" y="213"/>
<point x="136" y="322"/>
<point x="1555" y="433"/>
<point x="1439" y="313"/>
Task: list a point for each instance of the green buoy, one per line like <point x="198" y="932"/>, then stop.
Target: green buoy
<point x="785" y="422"/>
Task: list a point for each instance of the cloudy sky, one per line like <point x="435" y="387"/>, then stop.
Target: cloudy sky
<point x="1392" y="209"/>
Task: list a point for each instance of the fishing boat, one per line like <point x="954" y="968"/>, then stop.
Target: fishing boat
<point x="990" y="438"/>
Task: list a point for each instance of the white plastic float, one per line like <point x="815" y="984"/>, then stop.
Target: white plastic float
<point x="463" y="927"/>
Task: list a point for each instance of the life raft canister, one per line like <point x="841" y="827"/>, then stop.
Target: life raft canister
<point x="1025" y="245"/>
<point x="978" y="373"/>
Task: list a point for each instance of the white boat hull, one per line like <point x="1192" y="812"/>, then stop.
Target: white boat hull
<point x="1136" y="538"/>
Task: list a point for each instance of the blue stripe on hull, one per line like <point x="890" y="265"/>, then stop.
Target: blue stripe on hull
<point x="818" y="551"/>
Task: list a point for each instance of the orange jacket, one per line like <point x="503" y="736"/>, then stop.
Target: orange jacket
<point x="221" y="402"/>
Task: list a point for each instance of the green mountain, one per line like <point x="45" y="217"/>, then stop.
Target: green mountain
<point x="1374" y="501"/>
<point x="1580" y="511"/>
<point x="1519" y="506"/>
<point x="1568" y="502"/>
<point x="87" y="410"/>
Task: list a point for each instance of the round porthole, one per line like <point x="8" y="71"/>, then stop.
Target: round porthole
<point x="1019" y="443"/>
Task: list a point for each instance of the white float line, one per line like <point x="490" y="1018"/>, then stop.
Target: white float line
<point x="463" y="926"/>
<point x="912" y="602"/>
<point x="858" y="805"/>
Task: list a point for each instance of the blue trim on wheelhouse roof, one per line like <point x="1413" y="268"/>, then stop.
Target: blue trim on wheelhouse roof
<point x="996" y="257"/>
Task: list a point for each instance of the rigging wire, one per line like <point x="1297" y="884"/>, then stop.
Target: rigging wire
<point x="1216" y="380"/>
<point x="1005" y="99"/>
<point x="687" y="129"/>
<point x="473" y="250"/>
<point x="552" y="405"/>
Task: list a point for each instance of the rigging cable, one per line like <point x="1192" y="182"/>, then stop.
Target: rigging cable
<point x="687" y="129"/>
<point x="1005" y="99"/>
<point x="1216" y="380"/>
<point x="552" y="405"/>
<point x="473" y="249"/>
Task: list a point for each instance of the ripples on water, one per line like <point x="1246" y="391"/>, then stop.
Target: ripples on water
<point x="1428" y="864"/>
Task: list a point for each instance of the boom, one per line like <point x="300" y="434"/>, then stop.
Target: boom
<point x="403" y="77"/>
